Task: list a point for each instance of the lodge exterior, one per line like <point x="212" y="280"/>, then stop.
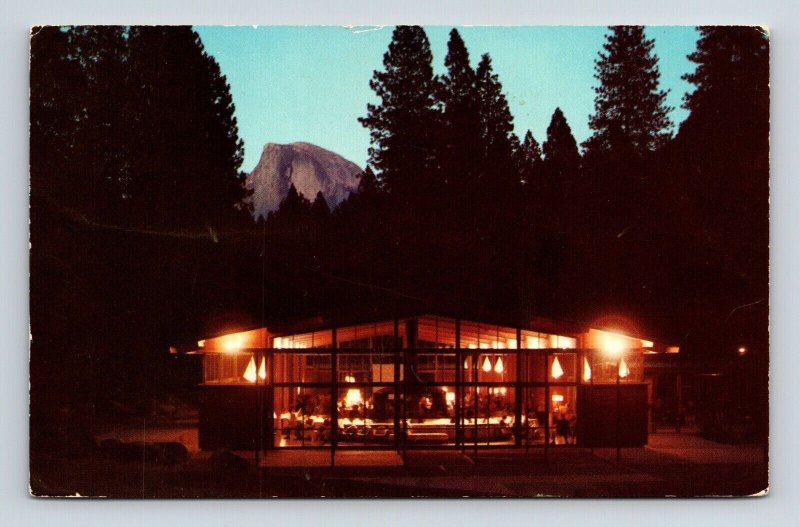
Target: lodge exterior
<point x="424" y="381"/>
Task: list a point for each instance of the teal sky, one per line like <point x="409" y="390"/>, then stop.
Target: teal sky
<point x="312" y="83"/>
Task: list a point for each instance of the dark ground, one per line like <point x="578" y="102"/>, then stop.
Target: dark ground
<point x="671" y="465"/>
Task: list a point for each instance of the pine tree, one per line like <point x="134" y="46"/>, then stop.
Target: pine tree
<point x="461" y="126"/>
<point x="294" y="206"/>
<point x="78" y="77"/>
<point x="629" y="107"/>
<point x="191" y="173"/>
<point x="368" y="184"/>
<point x="403" y="125"/>
<point x="320" y="210"/>
<point x="529" y="159"/>
<point x="719" y="163"/>
<point x="561" y="156"/>
<point x="731" y="96"/>
<point x="499" y="141"/>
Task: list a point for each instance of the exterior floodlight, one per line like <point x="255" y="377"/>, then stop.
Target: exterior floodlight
<point x="613" y="344"/>
<point x="233" y="343"/>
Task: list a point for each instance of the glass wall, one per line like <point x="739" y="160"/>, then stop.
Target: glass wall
<point x="426" y="381"/>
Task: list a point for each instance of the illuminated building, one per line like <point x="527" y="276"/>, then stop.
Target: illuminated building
<point x="422" y="382"/>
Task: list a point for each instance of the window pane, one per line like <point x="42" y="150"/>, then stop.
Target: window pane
<point x="435" y="367"/>
<point x="302" y="416"/>
<point x="562" y="367"/>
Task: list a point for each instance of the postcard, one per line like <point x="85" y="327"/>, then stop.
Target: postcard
<point x="399" y="261"/>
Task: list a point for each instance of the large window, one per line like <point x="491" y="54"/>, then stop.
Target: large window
<point x="302" y="416"/>
<point x="454" y="383"/>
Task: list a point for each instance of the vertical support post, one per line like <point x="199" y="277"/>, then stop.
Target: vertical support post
<point x="260" y="409"/>
<point x="590" y="397"/>
<point x="678" y="402"/>
<point x="397" y="360"/>
<point x="334" y="397"/>
<point x="411" y="345"/>
<point x="459" y="393"/>
<point x="518" y="393"/>
<point x="546" y="407"/>
<point x="616" y="413"/>
<point x="475" y="405"/>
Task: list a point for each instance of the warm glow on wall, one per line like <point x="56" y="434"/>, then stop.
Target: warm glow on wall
<point x="487" y="365"/>
<point x="250" y="372"/>
<point x="450" y="397"/>
<point x="624" y="371"/>
<point x="587" y="370"/>
<point x="498" y="366"/>
<point x="555" y="370"/>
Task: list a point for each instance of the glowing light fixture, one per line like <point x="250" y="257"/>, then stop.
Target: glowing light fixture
<point x="742" y="350"/>
<point x="353" y="397"/>
<point x="262" y="369"/>
<point x="624" y="371"/>
<point x="250" y="372"/>
<point x="612" y="343"/>
<point x="349" y="378"/>
<point x="466" y="363"/>
<point x="487" y="366"/>
<point x="587" y="370"/>
<point x="233" y="343"/>
<point x="556" y="371"/>
<point x="498" y="366"/>
<point x="450" y="397"/>
<point x="556" y="398"/>
<point x="201" y="343"/>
